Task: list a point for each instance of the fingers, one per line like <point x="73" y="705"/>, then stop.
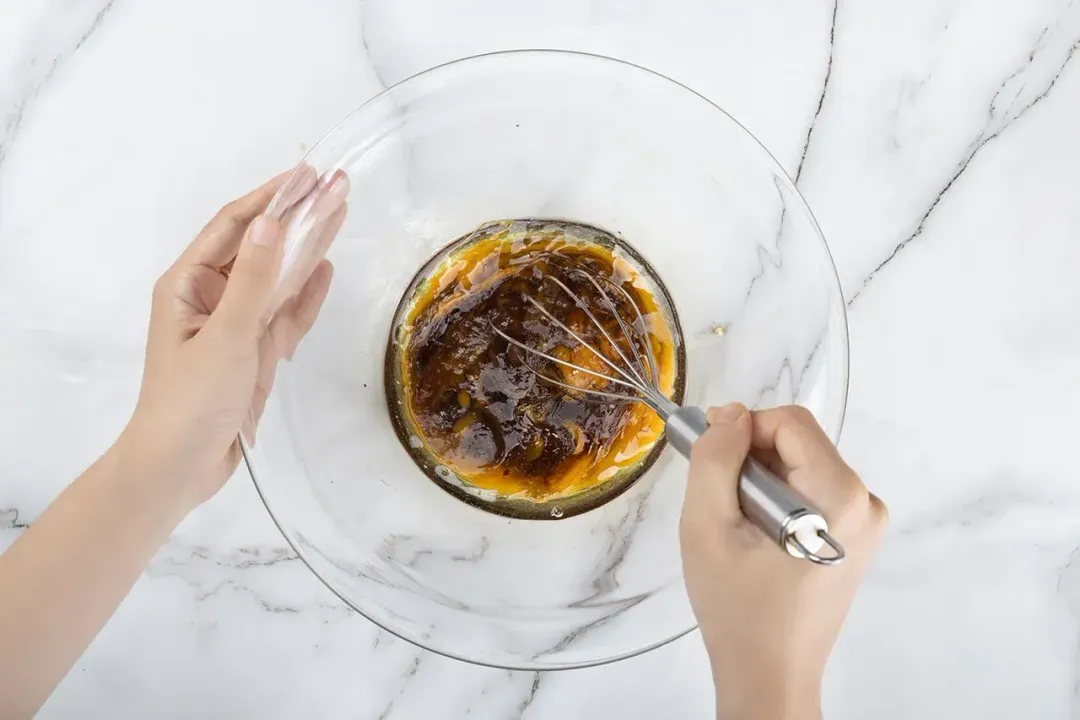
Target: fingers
<point x="244" y="307"/>
<point x="219" y="241"/>
<point x="286" y="330"/>
<point x="322" y="201"/>
<point x="293" y="320"/>
<point x="795" y="435"/>
<point x="328" y="213"/>
<point x="716" y="462"/>
<point x="792" y="443"/>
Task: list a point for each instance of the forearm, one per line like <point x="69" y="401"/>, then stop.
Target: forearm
<point x="65" y="576"/>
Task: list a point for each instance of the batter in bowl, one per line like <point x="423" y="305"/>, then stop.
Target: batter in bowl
<point x="471" y="406"/>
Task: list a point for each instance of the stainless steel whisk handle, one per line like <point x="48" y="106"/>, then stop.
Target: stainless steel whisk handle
<point x="778" y="509"/>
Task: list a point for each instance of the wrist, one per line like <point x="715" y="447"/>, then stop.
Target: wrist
<point x="751" y="697"/>
<point x="768" y="704"/>
<point x="148" y="474"/>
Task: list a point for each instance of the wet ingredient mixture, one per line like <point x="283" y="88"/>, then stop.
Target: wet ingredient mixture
<point x="472" y="397"/>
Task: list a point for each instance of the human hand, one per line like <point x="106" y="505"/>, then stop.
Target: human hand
<point x="217" y="331"/>
<point x="770" y="620"/>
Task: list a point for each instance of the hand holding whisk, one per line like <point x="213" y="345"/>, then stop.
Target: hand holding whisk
<point x="630" y="374"/>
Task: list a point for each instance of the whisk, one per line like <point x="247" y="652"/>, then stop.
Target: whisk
<point x="775" y="507"/>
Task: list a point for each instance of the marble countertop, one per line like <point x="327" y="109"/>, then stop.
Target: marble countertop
<point x="935" y="141"/>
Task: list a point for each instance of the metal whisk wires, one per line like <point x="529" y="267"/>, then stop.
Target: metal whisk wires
<point x="769" y="502"/>
<point x="639" y="375"/>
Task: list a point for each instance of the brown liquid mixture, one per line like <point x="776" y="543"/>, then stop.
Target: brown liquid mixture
<point x="479" y="409"/>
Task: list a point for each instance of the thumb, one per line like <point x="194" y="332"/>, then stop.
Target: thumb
<point x="716" y="461"/>
<point x="245" y="304"/>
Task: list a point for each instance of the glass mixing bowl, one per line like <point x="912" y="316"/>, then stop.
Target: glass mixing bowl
<point x="537" y="134"/>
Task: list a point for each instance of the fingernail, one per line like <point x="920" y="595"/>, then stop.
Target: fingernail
<point x="726" y="415"/>
<point x="331" y="194"/>
<point x="301" y="183"/>
<point x="261" y="231"/>
<point x="328" y="177"/>
<point x="335" y="184"/>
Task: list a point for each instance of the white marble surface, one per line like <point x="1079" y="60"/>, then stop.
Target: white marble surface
<point x="935" y="140"/>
